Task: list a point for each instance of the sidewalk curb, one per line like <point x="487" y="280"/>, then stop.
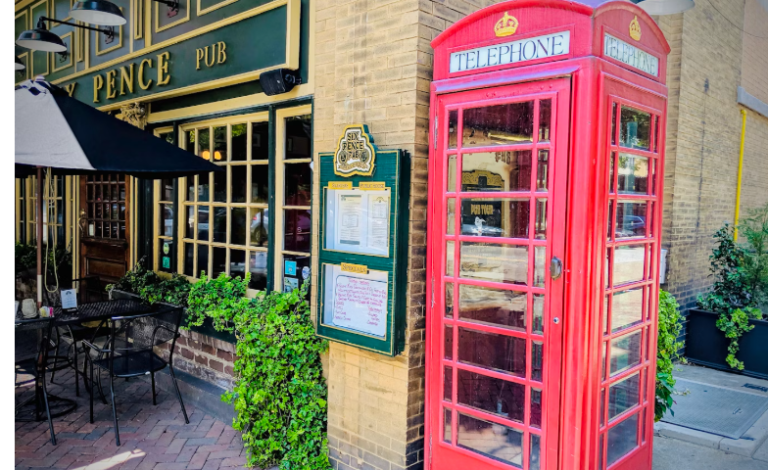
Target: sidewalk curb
<point x="747" y="446"/>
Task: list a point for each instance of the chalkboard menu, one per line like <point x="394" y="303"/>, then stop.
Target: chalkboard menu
<point x="363" y="244"/>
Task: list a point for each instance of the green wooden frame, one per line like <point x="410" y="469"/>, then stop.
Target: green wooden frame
<point x="393" y="168"/>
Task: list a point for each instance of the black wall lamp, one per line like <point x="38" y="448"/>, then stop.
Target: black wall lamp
<point x="40" y="39"/>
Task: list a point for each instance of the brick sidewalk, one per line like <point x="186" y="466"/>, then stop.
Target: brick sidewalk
<point x="152" y="437"/>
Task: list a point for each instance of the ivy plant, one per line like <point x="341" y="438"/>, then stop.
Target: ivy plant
<point x="667" y="352"/>
<point x="730" y="289"/>
<point x="734" y="326"/>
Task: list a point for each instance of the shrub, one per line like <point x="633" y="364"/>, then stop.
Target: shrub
<point x="731" y="288"/>
<point x="734" y="325"/>
<point x="667" y="353"/>
<point x="153" y="288"/>
<point x="755" y="230"/>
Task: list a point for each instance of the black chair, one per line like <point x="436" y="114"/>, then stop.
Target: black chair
<point x="129" y="352"/>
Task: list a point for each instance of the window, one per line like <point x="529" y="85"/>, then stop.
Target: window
<point x="164" y="214"/>
<point x="105" y="201"/>
<point x="54" y="213"/>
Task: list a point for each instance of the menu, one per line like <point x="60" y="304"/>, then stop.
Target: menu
<point x="357" y="221"/>
<point x="356" y="301"/>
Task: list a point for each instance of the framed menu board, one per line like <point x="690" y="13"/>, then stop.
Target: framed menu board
<point x="363" y="244"/>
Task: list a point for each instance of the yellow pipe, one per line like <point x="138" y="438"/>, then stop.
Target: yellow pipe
<point x="738" y="179"/>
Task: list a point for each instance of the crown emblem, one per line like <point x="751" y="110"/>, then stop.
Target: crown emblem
<point x="634" y="29"/>
<point x="506" y="26"/>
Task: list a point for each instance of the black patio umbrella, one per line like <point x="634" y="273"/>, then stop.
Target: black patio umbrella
<point x="54" y="130"/>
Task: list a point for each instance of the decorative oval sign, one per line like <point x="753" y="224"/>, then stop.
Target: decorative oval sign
<point x="355" y="154"/>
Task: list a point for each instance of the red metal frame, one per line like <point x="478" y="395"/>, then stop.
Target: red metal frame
<point x="585" y="85"/>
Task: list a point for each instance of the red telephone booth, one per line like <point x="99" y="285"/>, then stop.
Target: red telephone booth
<point x="545" y="177"/>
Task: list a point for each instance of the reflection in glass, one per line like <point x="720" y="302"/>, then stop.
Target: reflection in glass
<point x="545" y="118"/>
<point x="448" y="343"/>
<point x="202" y="222"/>
<point x="622" y="439"/>
<point x="202" y="187"/>
<point x="204" y="145"/>
<point x="492" y="306"/>
<point x="219" y="261"/>
<point x="496" y="171"/>
<point x="535" y="463"/>
<point x="219" y="144"/>
<point x="190" y="227"/>
<point x="164" y="259"/>
<point x="447" y="424"/>
<point x="507" y="218"/>
<point x="633" y="174"/>
<point x="220" y="224"/>
<point x="297" y="228"/>
<point x="623" y="396"/>
<point x="541" y="219"/>
<point x="630" y="219"/>
<point x="613" y="172"/>
<point x="202" y="260"/>
<point x="220" y="186"/>
<point x="627" y="309"/>
<point x="449" y="300"/>
<point x="492" y="440"/>
<point x="491" y="262"/>
<point x="257" y="266"/>
<point x="492" y="351"/>
<point x="297" y="181"/>
<point x="237" y="263"/>
<point x="498" y="125"/>
<point x="239" y="142"/>
<point x="453" y="122"/>
<point x="189" y="259"/>
<point x="538" y="314"/>
<point x="259" y="183"/>
<point x="449" y="252"/>
<point x="259" y="227"/>
<point x="625" y="352"/>
<point x="628" y="264"/>
<point x="260" y="141"/>
<point x="448" y="383"/>
<point x="613" y="123"/>
<point x="635" y="129"/>
<point x="450" y="185"/>
<point x="166" y="219"/>
<point x="166" y="190"/>
<point x="239" y="186"/>
<point x="302" y="262"/>
<point x="540" y="266"/>
<point x="611" y="205"/>
<point x="189" y="182"/>
<point x="237" y="218"/>
<point x="496" y="396"/>
<point x="190" y="141"/>
<point x="536" y="407"/>
<point x="298" y="137"/>
<point x="537" y="360"/>
<point x="542" y="171"/>
<point x="450" y="223"/>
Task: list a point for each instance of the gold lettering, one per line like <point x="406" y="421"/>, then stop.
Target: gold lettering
<point x="98" y="83"/>
<point x="222" y="52"/>
<point x="213" y="56"/>
<point x="126" y="80"/>
<point x="111" y="89"/>
<point x="71" y="88"/>
<point x="163" y="77"/>
<point x="144" y="85"/>
<point x="199" y="53"/>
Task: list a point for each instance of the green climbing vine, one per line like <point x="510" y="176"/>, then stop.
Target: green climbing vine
<point x="667" y="352"/>
<point x="734" y="325"/>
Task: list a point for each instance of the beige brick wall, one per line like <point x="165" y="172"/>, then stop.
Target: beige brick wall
<point x="754" y="53"/>
<point x="374" y="66"/>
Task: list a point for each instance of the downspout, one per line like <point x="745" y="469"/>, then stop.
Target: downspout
<point x="738" y="178"/>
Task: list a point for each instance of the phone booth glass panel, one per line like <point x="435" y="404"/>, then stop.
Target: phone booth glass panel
<point x="546" y="170"/>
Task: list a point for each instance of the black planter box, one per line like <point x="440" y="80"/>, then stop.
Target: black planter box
<point x="708" y="346"/>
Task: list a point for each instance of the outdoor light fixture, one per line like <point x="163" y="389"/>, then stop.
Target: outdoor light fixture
<point x="19" y="65"/>
<point x="40" y="39"/>
<point x="99" y="12"/>
<point x="664" y="7"/>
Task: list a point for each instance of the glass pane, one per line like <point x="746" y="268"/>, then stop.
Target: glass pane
<point x="449" y="252"/>
<point x="623" y="396"/>
<point x="164" y="250"/>
<point x="506" y="399"/>
<point x="541" y="219"/>
<point x="538" y="314"/>
<point x="448" y="383"/>
<point x="259" y="183"/>
<point x="298" y="184"/>
<point x="622" y="439"/>
<point x="542" y="171"/>
<point x="540" y="266"/>
<point x="448" y="342"/>
<point x="630" y="219"/>
<point x="453" y="121"/>
<point x="627" y="309"/>
<point x="259" y="227"/>
<point x="535" y="463"/>
<point x="633" y="174"/>
<point x="239" y="185"/>
<point x="202" y="222"/>
<point x="203" y="187"/>
<point x="303" y="266"/>
<point x="625" y="352"/>
<point x="239" y="142"/>
<point x="89" y="189"/>
<point x="107" y="212"/>
<point x="492" y="351"/>
<point x="258" y="269"/>
<point x="447" y="424"/>
<point x="628" y="264"/>
<point x="204" y="146"/>
<point x="202" y="260"/>
<point x="220" y="224"/>
<point x="116" y="212"/>
<point x="497" y="263"/>
<point x="498" y="125"/>
<point x="451" y="180"/>
<point x="492" y="306"/>
<point x="298" y="137"/>
<point x="449" y="300"/>
<point x="613" y="124"/>
<point x="166" y="220"/>
<point x="189" y="259"/>
<point x="611" y="205"/>
<point x="219" y="261"/>
<point x="237" y="226"/>
<point x="190" y="141"/>
<point x="545" y="119"/>
<point x="493" y="440"/>
<point x="537" y="360"/>
<point x="496" y="171"/>
<point x="536" y="407"/>
<point x="450" y="224"/>
<point x="297" y="228"/>
<point x="220" y="186"/>
<point x="98" y="193"/>
<point x="237" y="263"/>
<point x="122" y="212"/>
<point x="635" y="129"/>
<point x="656" y="134"/>
<point x="495" y="217"/>
<point x="190" y="222"/>
<point x="611" y="188"/>
<point x="166" y="190"/>
<point x="189" y="182"/>
<point x="260" y="141"/>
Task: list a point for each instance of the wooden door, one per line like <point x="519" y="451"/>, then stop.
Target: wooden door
<point x="104" y="229"/>
<point x="497" y="233"/>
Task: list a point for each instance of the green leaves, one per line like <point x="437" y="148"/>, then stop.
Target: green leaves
<point x="667" y="352"/>
<point x="734" y="326"/>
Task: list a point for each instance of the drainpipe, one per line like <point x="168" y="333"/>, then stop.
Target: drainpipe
<point x="738" y="178"/>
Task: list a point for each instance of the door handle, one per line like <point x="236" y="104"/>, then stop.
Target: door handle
<point x="555" y="268"/>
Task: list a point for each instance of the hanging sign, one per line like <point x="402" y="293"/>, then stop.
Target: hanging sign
<point x="522" y="50"/>
<point x="364" y="209"/>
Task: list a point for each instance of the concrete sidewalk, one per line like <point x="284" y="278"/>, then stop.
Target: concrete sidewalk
<point x="680" y="448"/>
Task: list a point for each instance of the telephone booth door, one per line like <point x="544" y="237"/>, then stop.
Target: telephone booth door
<point x="498" y="220"/>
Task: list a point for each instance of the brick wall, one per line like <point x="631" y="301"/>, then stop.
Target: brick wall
<point x="204" y="357"/>
<point x="754" y="58"/>
<point x="373" y="65"/>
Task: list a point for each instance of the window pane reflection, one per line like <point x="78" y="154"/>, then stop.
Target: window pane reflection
<point x="628" y="264"/>
<point x="220" y="224"/>
<point x="536" y="407"/>
<point x="498" y="125"/>
<point x="506" y="399"/>
<point x="635" y="129"/>
<point x="259" y="183"/>
<point x="259" y="227"/>
<point x="630" y="219"/>
<point x="625" y="352"/>
<point x="239" y="183"/>
<point x="492" y="306"/>
<point x="622" y="439"/>
<point x="237" y="263"/>
<point x="633" y="174"/>
<point x="298" y="180"/>
<point x="297" y="230"/>
<point x="496" y="171"/>
<point x="260" y="141"/>
<point x="298" y="137"/>
<point x="453" y="122"/>
<point x="507" y="218"/>
<point x="623" y="396"/>
<point x="492" y="440"/>
<point x="239" y="142"/>
<point x="497" y="263"/>
<point x="545" y="118"/>
<point x="258" y="269"/>
<point x="627" y="309"/>
<point x="237" y="226"/>
<point x="219" y="262"/>
<point x="535" y="463"/>
<point x="493" y="351"/>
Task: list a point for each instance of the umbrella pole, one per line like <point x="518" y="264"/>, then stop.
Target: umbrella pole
<point x="39" y="225"/>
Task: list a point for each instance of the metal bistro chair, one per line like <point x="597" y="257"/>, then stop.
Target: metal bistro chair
<point x="129" y="352"/>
